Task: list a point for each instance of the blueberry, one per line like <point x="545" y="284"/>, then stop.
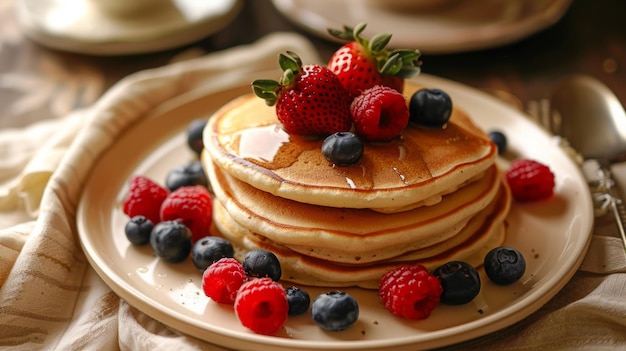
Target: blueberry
<point x="138" y="230"/>
<point x="210" y="249"/>
<point x="186" y="175"/>
<point x="499" y="139"/>
<point x="298" y="299"/>
<point x="343" y="148"/>
<point x="460" y="282"/>
<point x="261" y="263"/>
<point x="430" y="107"/>
<point x="194" y="135"/>
<point x="504" y="265"/>
<point x="335" y="311"/>
<point x="171" y="240"/>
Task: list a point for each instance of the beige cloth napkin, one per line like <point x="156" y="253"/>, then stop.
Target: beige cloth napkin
<point x="51" y="299"/>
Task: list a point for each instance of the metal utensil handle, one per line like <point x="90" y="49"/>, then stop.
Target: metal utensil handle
<point x="619" y="213"/>
<point x="605" y="193"/>
<point x="617" y="204"/>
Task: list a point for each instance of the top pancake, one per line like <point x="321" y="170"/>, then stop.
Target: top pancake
<point x="246" y="140"/>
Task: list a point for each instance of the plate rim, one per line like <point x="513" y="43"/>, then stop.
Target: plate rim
<point x="486" y="325"/>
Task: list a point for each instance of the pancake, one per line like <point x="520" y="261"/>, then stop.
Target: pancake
<point x="482" y="233"/>
<point x="430" y="196"/>
<point x="246" y="141"/>
<point x="350" y="235"/>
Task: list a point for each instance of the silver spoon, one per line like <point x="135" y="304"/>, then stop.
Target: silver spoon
<point x="593" y="122"/>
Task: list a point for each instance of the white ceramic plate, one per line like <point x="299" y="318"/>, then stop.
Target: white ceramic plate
<point x="553" y="236"/>
<point x="85" y="26"/>
<point x="462" y="26"/>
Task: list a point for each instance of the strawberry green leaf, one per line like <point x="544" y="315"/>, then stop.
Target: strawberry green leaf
<point x="267" y="90"/>
<point x="408" y="71"/>
<point x="379" y="42"/>
<point x="266" y="84"/>
<point x="400" y="62"/>
<point x="351" y="34"/>
<point x="295" y="57"/>
<point x="288" y="62"/>
<point x="346" y="34"/>
<point x="359" y="29"/>
<point x="288" y="78"/>
<point x="392" y="66"/>
<point x="408" y="56"/>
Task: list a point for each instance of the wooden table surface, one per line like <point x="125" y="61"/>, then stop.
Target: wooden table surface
<point x="38" y="83"/>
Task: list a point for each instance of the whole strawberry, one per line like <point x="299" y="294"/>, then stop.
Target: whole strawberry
<point x="361" y="63"/>
<point x="309" y="99"/>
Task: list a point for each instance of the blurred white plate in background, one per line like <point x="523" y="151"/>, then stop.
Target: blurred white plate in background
<point x="97" y="27"/>
<point x="462" y="25"/>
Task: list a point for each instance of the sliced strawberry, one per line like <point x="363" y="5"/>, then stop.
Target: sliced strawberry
<point x="361" y="64"/>
<point x="309" y="99"/>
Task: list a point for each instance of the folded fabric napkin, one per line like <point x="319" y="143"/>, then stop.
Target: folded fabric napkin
<point x="51" y="299"/>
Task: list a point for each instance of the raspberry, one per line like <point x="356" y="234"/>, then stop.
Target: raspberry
<point x="530" y="180"/>
<point x="222" y="280"/>
<point x="192" y="205"/>
<point x="144" y="199"/>
<point x="379" y="113"/>
<point x="262" y="306"/>
<point x="410" y="292"/>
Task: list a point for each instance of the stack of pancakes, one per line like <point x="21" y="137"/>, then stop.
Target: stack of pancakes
<point x="432" y="196"/>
